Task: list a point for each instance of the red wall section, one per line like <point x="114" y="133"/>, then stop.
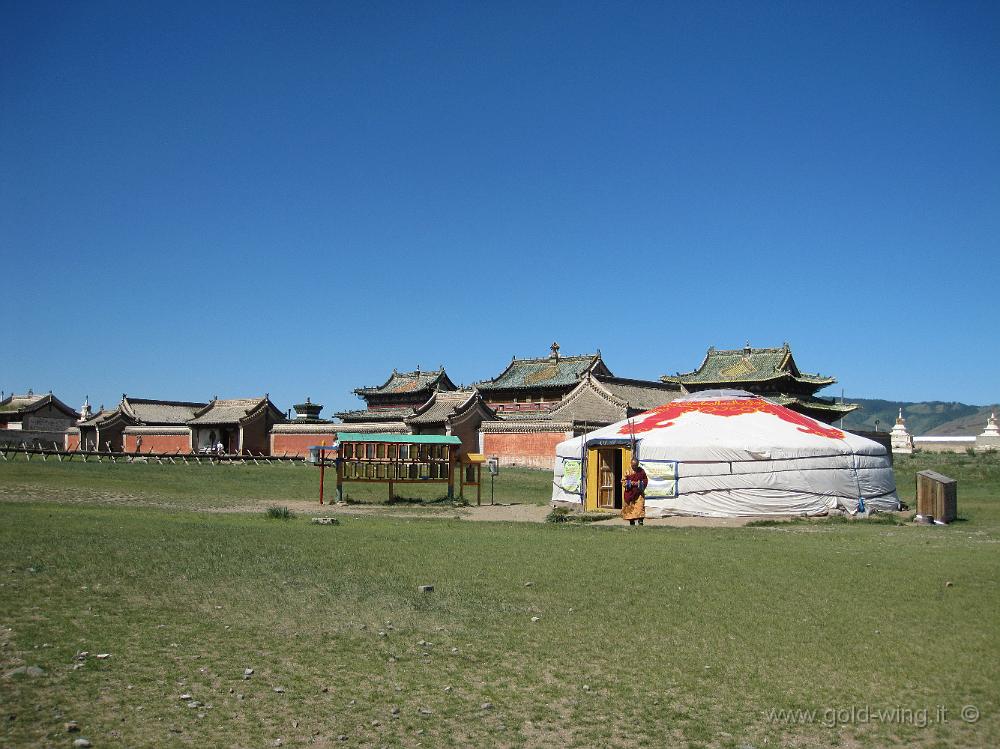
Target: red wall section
<point x="72" y="441"/>
<point x="298" y="444"/>
<point x="530" y="449"/>
<point x="159" y="443"/>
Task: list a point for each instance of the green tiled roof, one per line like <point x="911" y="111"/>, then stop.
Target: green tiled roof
<point x="378" y="414"/>
<point x="402" y="383"/>
<point x="545" y="372"/>
<point x="747" y="365"/>
<point x="815" y="404"/>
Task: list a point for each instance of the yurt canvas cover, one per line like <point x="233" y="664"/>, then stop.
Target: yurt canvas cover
<point x="730" y="453"/>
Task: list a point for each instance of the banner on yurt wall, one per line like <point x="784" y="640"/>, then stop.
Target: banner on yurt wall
<point x="662" y="478"/>
<point x="571" y="478"/>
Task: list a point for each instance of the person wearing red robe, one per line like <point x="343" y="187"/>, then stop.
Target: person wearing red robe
<point x="634" y="498"/>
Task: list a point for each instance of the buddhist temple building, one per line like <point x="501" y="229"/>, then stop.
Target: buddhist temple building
<point x="389" y="404"/>
<point x="541" y="402"/>
<point x="535" y="385"/>
<point x="459" y="413"/>
<point x="241" y="425"/>
<point x="36" y="413"/>
<point x="769" y="372"/>
<point x="35" y="419"/>
<point x="137" y="424"/>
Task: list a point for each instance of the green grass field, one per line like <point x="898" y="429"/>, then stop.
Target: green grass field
<point x="227" y="486"/>
<point x="652" y="637"/>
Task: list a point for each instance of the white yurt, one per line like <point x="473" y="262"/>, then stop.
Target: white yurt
<point x="725" y="453"/>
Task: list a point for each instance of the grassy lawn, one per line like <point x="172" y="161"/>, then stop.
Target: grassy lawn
<point x="229" y="485"/>
<point x="652" y="637"/>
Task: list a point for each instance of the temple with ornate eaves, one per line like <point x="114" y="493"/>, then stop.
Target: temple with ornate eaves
<point x="538" y="403"/>
<point x="769" y="372"/>
<point x="398" y="397"/>
<point x="165" y="421"/>
<point x="534" y="385"/>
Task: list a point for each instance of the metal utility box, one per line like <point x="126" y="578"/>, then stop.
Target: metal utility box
<point x="937" y="496"/>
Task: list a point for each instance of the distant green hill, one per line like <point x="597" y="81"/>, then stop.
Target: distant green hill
<point x="930" y="417"/>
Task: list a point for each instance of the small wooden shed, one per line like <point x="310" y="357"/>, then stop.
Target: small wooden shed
<point x="937" y="496"/>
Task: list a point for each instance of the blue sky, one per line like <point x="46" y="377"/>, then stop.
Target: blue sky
<point x="233" y="198"/>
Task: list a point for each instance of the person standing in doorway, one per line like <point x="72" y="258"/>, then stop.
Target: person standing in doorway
<point x="634" y="498"/>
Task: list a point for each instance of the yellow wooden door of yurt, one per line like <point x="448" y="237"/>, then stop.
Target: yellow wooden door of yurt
<point x="604" y="477"/>
<point x="606" y="484"/>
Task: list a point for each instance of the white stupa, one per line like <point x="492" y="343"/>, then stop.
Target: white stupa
<point x="85" y="410"/>
<point x="899" y="438"/>
<point x="990" y="438"/>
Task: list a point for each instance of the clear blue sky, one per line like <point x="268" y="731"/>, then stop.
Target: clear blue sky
<point x="201" y="198"/>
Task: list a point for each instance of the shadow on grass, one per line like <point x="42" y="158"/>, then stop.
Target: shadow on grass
<point x="565" y="515"/>
<point x="401" y="500"/>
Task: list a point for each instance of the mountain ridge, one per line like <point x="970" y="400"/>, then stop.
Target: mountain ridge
<point x="923" y="418"/>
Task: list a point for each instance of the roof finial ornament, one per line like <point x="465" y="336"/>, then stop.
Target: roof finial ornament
<point x="418" y="369"/>
<point x="747" y="349"/>
<point x="554" y="348"/>
<point x="786" y="346"/>
<point x="30" y="391"/>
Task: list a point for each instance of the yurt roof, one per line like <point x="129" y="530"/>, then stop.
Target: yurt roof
<point x="721" y="425"/>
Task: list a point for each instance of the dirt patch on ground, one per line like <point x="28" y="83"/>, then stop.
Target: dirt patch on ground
<point x="537" y="513"/>
<point x="501" y="513"/>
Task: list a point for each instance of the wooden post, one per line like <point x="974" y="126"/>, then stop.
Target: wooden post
<point x="322" y="472"/>
<point x="340" y="479"/>
<point x="479" y="484"/>
<point x="451" y="473"/>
